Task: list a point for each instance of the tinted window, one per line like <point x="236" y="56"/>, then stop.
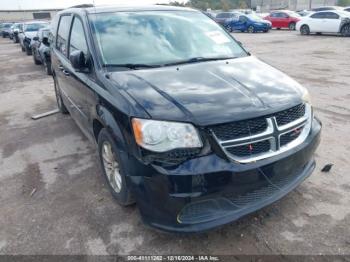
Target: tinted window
<point x="284" y="15"/>
<point x="318" y="16"/>
<point x="77" y="38"/>
<point x="160" y="37"/>
<point x="223" y="15"/>
<point x="331" y="15"/>
<point x="62" y="34"/>
<point x="347" y="9"/>
<point x="243" y="18"/>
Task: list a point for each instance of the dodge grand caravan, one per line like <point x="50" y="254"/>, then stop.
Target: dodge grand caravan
<point x="188" y="124"/>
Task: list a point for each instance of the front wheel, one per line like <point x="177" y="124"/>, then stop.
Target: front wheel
<point x="251" y="29"/>
<point x="345" y="30"/>
<point x="36" y="61"/>
<point x="291" y="26"/>
<point x="113" y="168"/>
<point x="229" y="28"/>
<point x="28" y="51"/>
<point x="48" y="68"/>
<point x="305" y="30"/>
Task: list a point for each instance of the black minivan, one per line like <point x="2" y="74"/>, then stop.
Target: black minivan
<point x="188" y="124"/>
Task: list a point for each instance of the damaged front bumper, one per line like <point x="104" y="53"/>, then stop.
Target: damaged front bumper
<point x="209" y="191"/>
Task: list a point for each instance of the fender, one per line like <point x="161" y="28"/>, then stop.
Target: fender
<point x="109" y="122"/>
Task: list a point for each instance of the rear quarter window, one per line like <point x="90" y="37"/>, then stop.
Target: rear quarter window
<point x="62" y="34"/>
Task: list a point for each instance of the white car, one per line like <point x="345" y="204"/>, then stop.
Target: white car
<point x="330" y="21"/>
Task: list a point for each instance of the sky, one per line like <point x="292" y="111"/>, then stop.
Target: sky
<point x="42" y="4"/>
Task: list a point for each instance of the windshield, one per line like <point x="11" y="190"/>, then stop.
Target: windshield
<point x="34" y="27"/>
<point x="160" y="37"/>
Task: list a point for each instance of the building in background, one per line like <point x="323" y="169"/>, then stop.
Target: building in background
<point x="25" y="15"/>
<point x="267" y="5"/>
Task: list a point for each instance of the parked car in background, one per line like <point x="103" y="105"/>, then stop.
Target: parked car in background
<point x="15" y="29"/>
<point x="337" y="22"/>
<point x="224" y="17"/>
<point x="283" y="19"/>
<point x="327" y="8"/>
<point x="30" y="30"/>
<point x="304" y="12"/>
<point x="41" y="49"/>
<point x="250" y="23"/>
<point x="347" y="9"/>
<point x="5" y="29"/>
<point x="195" y="130"/>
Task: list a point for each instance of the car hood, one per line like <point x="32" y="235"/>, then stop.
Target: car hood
<point x="30" y="34"/>
<point x="210" y="92"/>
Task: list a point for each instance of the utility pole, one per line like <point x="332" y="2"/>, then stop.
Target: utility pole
<point x="310" y="4"/>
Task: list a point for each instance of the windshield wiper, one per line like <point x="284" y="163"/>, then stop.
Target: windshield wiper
<point x="199" y="59"/>
<point x="131" y="66"/>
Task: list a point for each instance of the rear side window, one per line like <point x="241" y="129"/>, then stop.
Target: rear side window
<point x="77" y="38"/>
<point x="318" y="16"/>
<point x="331" y="15"/>
<point x="62" y="34"/>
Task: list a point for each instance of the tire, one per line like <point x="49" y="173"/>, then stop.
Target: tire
<point x="291" y="26"/>
<point x="28" y="51"/>
<point x="345" y="30"/>
<point x="23" y="49"/>
<point x="48" y="68"/>
<point x="304" y="30"/>
<point x="36" y="61"/>
<point x="60" y="104"/>
<point x="251" y="29"/>
<point x="113" y="169"/>
<point x="3" y="35"/>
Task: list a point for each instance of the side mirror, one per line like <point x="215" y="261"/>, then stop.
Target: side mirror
<point x="79" y="61"/>
<point x="36" y="38"/>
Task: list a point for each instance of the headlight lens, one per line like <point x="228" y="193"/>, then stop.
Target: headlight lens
<point x="306" y="96"/>
<point x="162" y="136"/>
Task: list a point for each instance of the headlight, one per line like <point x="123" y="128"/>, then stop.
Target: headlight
<point x="162" y="136"/>
<point x="306" y="96"/>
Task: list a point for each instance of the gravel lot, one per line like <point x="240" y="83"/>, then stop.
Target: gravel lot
<point x="53" y="199"/>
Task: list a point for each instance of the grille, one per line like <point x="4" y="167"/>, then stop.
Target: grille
<point x="254" y="139"/>
<point x="290" y="136"/>
<point x="240" y="129"/>
<point x="290" y="115"/>
<point x="250" y="149"/>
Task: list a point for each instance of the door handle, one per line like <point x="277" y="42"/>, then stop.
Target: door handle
<point x="60" y="67"/>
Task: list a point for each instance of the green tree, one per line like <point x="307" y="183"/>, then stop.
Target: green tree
<point x="344" y="2"/>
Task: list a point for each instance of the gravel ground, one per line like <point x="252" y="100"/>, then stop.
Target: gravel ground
<point x="54" y="201"/>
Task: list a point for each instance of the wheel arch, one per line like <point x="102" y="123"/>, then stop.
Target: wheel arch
<point x="345" y="23"/>
<point x="105" y="119"/>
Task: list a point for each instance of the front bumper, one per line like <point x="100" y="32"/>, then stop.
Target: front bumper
<point x="209" y="191"/>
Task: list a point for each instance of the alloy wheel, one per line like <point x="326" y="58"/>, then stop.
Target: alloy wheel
<point x="250" y="29"/>
<point x="304" y="30"/>
<point x="345" y="31"/>
<point x="292" y="26"/>
<point x="111" y="167"/>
